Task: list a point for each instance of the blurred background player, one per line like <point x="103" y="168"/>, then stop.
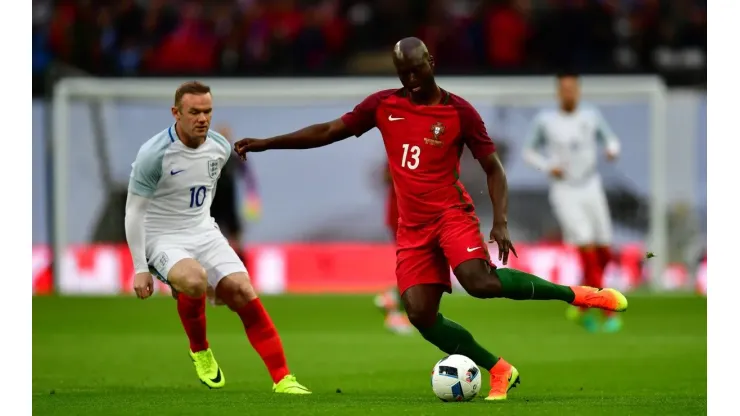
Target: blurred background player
<point x="228" y="198"/>
<point x="389" y="301"/>
<point x="563" y="142"/>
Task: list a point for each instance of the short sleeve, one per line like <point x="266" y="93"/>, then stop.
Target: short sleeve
<point x="362" y="118"/>
<point x="146" y="171"/>
<point x="474" y="131"/>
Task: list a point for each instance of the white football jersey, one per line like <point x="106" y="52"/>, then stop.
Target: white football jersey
<point x="179" y="181"/>
<point x="569" y="141"/>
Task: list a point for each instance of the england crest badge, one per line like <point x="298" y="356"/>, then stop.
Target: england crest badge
<point x="214" y="168"/>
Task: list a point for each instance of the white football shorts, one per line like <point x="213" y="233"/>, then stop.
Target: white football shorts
<point x="583" y="212"/>
<point x="209" y="248"/>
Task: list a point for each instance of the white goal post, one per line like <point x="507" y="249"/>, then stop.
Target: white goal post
<point x="264" y="92"/>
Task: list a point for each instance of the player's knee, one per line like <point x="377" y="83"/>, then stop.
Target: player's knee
<point x="421" y="318"/>
<point x="236" y="290"/>
<point x="479" y="282"/>
<point x="195" y="284"/>
<point x="191" y="280"/>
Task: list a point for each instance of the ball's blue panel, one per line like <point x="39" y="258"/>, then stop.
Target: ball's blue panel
<point x="457" y="391"/>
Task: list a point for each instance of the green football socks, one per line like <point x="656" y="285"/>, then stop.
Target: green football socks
<point x="518" y="285"/>
<point x="452" y="338"/>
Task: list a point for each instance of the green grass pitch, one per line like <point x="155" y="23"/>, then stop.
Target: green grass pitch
<point x="124" y="356"/>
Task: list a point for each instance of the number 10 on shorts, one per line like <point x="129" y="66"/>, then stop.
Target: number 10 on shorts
<point x="410" y="157"/>
<point x="197" y="196"/>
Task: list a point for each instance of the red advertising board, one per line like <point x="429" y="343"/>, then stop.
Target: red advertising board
<point x="329" y="268"/>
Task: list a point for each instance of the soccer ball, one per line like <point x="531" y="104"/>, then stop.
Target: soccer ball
<point x="456" y="378"/>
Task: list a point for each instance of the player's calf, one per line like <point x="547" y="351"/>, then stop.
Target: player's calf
<point x="421" y="303"/>
<point x="237" y="292"/>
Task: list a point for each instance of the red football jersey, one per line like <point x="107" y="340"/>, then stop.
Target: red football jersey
<point x="392" y="211"/>
<point x="424" y="145"/>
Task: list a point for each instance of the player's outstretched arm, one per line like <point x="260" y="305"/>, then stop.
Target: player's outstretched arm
<point x="354" y="123"/>
<point x="316" y="135"/>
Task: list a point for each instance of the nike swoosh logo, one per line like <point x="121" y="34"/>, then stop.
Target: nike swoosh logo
<point x="470" y="250"/>
<point x="175" y="172"/>
<point x="217" y="379"/>
<point x="391" y="118"/>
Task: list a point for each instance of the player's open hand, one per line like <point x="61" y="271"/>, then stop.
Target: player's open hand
<point x="143" y="285"/>
<point x="500" y="235"/>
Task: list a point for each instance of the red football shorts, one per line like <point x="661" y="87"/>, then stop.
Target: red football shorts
<point x="425" y="254"/>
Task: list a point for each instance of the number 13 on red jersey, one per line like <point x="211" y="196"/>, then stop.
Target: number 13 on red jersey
<point x="410" y="157"/>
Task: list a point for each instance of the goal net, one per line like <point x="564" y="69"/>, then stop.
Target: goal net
<point x="331" y="194"/>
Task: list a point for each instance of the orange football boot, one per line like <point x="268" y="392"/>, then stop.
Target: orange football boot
<point x="504" y="377"/>
<point x="606" y="299"/>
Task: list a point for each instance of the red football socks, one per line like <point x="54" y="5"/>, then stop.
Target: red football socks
<point x="192" y="313"/>
<point x="591" y="264"/>
<point x="604" y="256"/>
<point x="594" y="261"/>
<point x="264" y="338"/>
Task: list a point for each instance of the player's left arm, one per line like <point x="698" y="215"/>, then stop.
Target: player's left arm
<point x="605" y="135"/>
<point x="480" y="144"/>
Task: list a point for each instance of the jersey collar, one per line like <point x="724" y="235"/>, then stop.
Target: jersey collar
<point x="173" y="133"/>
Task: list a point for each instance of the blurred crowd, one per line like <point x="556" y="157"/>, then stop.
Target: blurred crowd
<point x="293" y="37"/>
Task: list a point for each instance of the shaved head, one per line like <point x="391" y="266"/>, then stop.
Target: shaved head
<point x="415" y="68"/>
<point x="410" y="49"/>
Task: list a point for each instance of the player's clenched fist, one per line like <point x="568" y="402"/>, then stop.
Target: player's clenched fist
<point x="143" y="285"/>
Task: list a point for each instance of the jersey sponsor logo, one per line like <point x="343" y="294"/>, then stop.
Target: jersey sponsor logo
<point x="213" y="168"/>
<point x="437" y="130"/>
<point x="175" y="172"/>
<point x="391" y="118"/>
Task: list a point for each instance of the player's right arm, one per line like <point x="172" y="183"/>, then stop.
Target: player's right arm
<point x="605" y="135"/>
<point x="354" y="123"/>
<point x="533" y="145"/>
<point x="146" y="172"/>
